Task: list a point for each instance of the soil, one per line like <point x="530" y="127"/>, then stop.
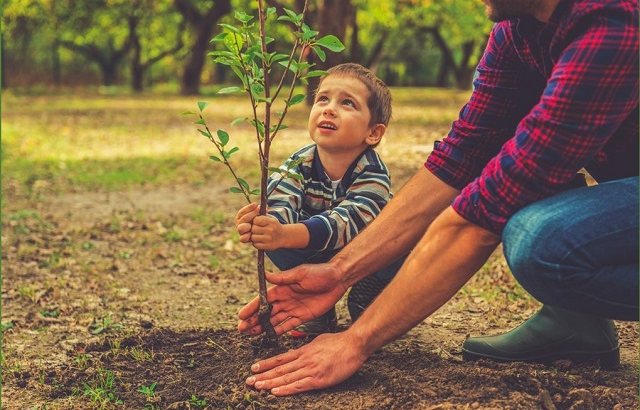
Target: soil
<point x="104" y="294"/>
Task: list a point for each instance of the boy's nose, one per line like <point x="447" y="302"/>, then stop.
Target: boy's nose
<point x="328" y="110"/>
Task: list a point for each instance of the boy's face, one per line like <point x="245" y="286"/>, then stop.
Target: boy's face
<point x="339" y="118"/>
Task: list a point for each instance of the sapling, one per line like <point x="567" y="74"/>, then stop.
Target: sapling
<point x="246" y="52"/>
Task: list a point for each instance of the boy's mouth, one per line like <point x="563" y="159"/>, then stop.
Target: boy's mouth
<point x="327" y="125"/>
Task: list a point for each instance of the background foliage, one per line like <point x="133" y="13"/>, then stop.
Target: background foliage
<point x="139" y="44"/>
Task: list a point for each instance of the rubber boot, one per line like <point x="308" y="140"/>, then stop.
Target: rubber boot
<point x="551" y="334"/>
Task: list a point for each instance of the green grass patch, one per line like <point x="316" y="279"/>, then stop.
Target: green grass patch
<point x="84" y="141"/>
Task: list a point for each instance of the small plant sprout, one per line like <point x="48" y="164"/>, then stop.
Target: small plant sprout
<point x="102" y="390"/>
<point x="195" y="401"/>
<point x="149" y="390"/>
<point x="264" y="76"/>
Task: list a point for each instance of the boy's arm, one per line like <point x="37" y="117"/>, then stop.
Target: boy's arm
<point x="269" y="234"/>
<point x="366" y="196"/>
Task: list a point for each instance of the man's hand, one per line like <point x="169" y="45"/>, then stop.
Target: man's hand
<point x="326" y="361"/>
<point x="300" y="294"/>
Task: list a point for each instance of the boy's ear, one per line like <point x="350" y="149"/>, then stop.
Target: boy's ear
<point x="375" y="134"/>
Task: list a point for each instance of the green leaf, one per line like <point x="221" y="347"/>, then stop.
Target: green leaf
<point x="224" y="137"/>
<point x="270" y="11"/>
<point x="287" y="18"/>
<point x="229" y="90"/>
<point x="222" y="53"/>
<point x="232" y="150"/>
<point x="278" y="128"/>
<point x="205" y="133"/>
<point x="257" y="89"/>
<point x="274" y="169"/>
<point x="216" y="159"/>
<point x="231" y="28"/>
<point x="296" y="176"/>
<point x="295" y="163"/>
<point x="320" y="53"/>
<point x="219" y="37"/>
<point x="188" y="112"/>
<point x="243" y="17"/>
<point x="309" y="34"/>
<point x="331" y="43"/>
<point x="234" y="42"/>
<point x="315" y="73"/>
<point x="235" y="190"/>
<point x="244" y="183"/>
<point x="255" y="192"/>
<point x="202" y="105"/>
<point x="199" y="122"/>
<point x="296" y="99"/>
<point x="293" y="15"/>
<point x="238" y="121"/>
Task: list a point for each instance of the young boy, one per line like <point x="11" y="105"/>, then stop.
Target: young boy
<point x="345" y="186"/>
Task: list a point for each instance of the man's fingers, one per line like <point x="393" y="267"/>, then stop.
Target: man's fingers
<point x="284" y="374"/>
<point x="290" y="383"/>
<point x="250" y="309"/>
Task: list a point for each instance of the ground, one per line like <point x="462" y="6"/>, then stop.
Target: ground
<point x="122" y="275"/>
<point x="128" y="299"/>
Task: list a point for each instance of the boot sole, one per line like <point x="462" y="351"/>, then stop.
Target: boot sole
<point x="608" y="360"/>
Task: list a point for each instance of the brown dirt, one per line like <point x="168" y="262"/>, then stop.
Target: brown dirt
<point x="144" y="286"/>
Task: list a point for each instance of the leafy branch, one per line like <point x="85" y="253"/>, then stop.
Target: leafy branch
<point x="246" y="52"/>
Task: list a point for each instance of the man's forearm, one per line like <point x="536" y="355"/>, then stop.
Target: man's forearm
<point x="397" y="229"/>
<point x="451" y="251"/>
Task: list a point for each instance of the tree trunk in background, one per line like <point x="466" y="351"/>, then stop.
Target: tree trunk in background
<point x="333" y="18"/>
<point x="3" y="73"/>
<point x="137" y="68"/>
<point x="203" y="25"/>
<point x="55" y="63"/>
<point x="107" y="60"/>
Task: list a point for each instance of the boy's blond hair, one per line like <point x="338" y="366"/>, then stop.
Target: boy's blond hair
<point x="379" y="101"/>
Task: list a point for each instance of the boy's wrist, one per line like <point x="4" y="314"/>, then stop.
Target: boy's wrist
<point x="295" y="236"/>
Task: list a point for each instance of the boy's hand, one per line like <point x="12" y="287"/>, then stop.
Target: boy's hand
<point x="267" y="233"/>
<point x="244" y="221"/>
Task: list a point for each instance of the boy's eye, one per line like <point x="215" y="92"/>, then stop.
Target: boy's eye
<point x="322" y="98"/>
<point x="349" y="102"/>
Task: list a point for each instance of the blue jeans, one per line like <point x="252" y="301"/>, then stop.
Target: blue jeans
<point x="579" y="249"/>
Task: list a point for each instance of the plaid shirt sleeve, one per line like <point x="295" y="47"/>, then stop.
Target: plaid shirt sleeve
<point x="522" y="151"/>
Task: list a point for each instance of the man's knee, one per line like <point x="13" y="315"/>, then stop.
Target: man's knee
<point x="527" y="247"/>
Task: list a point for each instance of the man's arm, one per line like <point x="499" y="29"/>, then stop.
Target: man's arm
<point x="397" y="229"/>
<point x="300" y="291"/>
<point x="449" y="253"/>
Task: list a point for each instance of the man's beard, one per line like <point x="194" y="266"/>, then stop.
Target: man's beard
<point x="500" y="10"/>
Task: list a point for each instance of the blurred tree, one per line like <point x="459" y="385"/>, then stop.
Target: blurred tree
<point x="202" y="16"/>
<point x="97" y="30"/>
<point x="407" y="42"/>
<point x="151" y="26"/>
<point x="457" y="28"/>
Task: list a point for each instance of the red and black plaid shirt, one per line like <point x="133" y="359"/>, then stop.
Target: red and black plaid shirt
<point x="548" y="100"/>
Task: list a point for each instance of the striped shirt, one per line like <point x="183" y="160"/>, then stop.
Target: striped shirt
<point x="333" y="217"/>
<point x="548" y="100"/>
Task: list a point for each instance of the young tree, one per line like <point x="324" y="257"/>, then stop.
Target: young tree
<point x="247" y="54"/>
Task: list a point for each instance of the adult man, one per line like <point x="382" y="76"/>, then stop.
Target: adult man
<point x="556" y="91"/>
